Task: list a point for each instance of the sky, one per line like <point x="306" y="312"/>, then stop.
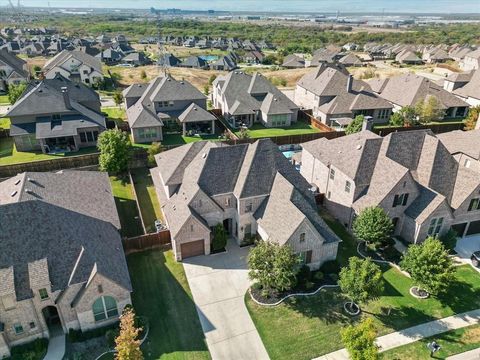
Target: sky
<point x="318" y="6"/>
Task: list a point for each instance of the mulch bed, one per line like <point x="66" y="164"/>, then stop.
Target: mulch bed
<point x="388" y="253"/>
<point x="419" y="293"/>
<point x="88" y="349"/>
<point x="275" y="297"/>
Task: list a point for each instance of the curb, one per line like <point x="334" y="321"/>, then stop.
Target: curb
<point x="290" y="295"/>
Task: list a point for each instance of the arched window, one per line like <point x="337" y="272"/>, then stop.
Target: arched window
<point x="104" y="307"/>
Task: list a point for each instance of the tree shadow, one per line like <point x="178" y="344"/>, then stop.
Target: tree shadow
<point x="460" y="297"/>
<point x="400" y="319"/>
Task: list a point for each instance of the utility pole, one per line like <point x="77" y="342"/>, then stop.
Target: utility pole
<point x="162" y="66"/>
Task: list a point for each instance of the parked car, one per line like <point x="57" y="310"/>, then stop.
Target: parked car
<point x="475" y="258"/>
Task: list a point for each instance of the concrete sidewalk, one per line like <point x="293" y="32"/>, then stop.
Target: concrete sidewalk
<point x="467" y="355"/>
<point x="56" y="348"/>
<point x="415" y="333"/>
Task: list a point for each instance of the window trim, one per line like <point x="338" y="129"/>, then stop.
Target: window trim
<point x="107" y="313"/>
<point x="18" y="326"/>
<point x="45" y="296"/>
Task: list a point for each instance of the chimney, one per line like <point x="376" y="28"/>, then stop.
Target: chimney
<point x="66" y="97"/>
<point x="350" y="83"/>
<point x="367" y="123"/>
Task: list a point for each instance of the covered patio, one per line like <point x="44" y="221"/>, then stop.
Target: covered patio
<point x="195" y="120"/>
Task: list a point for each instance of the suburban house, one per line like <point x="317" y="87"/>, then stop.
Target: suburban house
<point x="56" y="115"/>
<point x="464" y="146"/>
<point x="434" y="56"/>
<point x="412" y="175"/>
<point x="471" y="61"/>
<point x="62" y="264"/>
<point x="224" y="63"/>
<point x="408" y="57"/>
<point x="169" y="60"/>
<point x="409" y="89"/>
<point x="13" y="70"/>
<point x="247" y="99"/>
<point x="163" y="105"/>
<point x="336" y="97"/>
<point x="137" y="59"/>
<point x="194" y="62"/>
<point x="110" y="56"/>
<point x="250" y="189"/>
<point x="350" y="60"/>
<point x="76" y="66"/>
<point x="293" y="61"/>
<point x="466" y="86"/>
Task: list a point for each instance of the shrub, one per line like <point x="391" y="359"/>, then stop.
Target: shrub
<point x="359" y="340"/>
<point x="110" y="336"/>
<point x="330" y="267"/>
<point x="154" y="149"/>
<point x="304" y="275"/>
<point x="355" y="126"/>
<point x="219" y="237"/>
<point x="318" y="276"/>
<point x="114" y="148"/>
<point x="15" y="91"/>
<point x="79" y="336"/>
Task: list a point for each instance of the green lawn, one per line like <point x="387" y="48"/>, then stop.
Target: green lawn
<point x="307" y="327"/>
<point x="299" y="127"/>
<point x="161" y="293"/>
<point x="115" y="113"/>
<point x="4" y="123"/>
<point x="452" y="342"/>
<point x="126" y="206"/>
<point x="147" y="197"/>
<point x="4" y="100"/>
<point x="9" y="154"/>
<point x="177" y="139"/>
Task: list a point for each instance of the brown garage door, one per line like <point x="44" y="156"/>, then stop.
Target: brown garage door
<point x="193" y="248"/>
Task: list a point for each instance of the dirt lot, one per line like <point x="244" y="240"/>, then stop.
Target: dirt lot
<point x="179" y="51"/>
<point x="37" y="60"/>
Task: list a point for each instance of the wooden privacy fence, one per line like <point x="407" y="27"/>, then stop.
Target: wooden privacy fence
<point x="146" y="242"/>
<point x="50" y="165"/>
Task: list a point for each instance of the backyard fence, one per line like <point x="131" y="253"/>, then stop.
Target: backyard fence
<point x="70" y="162"/>
<point x="435" y="128"/>
<point x="146" y="242"/>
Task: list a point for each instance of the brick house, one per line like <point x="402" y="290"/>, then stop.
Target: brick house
<point x="253" y="190"/>
<point x="62" y="264"/>
<point x="412" y="175"/>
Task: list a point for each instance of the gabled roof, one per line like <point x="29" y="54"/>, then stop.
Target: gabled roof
<point x="17" y="64"/>
<point x="62" y="57"/>
<point x="419" y="88"/>
<point x="350" y="59"/>
<point x="294" y="61"/>
<point x="472" y="88"/>
<point x="465" y="142"/>
<point x="195" y="113"/>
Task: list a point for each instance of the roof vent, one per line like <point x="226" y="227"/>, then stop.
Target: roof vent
<point x="30" y="179"/>
<point x="29" y="191"/>
<point x="17" y="182"/>
<point x="13" y="193"/>
<point x="204" y="155"/>
<point x="195" y="108"/>
<point x="359" y="147"/>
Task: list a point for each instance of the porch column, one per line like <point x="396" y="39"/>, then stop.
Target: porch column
<point x="213" y="127"/>
<point x="184" y="127"/>
<point x="42" y="145"/>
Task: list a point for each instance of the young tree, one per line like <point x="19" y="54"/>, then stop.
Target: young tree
<point x="219" y="237"/>
<point x="359" y="340"/>
<point x="429" y="110"/>
<point x="154" y="149"/>
<point x="273" y="266"/>
<point x="114" y="146"/>
<point x="211" y="79"/>
<point x="396" y="119"/>
<point x="356" y="125"/>
<point x="118" y="98"/>
<point x="361" y="280"/>
<point x="15" y="91"/>
<point x="127" y="343"/>
<point x="472" y="118"/>
<point x="206" y="90"/>
<point x="373" y="226"/>
<point x="409" y="115"/>
<point x="143" y="74"/>
<point x="429" y="265"/>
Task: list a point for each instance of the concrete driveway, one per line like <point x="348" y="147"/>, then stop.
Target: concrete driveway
<point x="218" y="284"/>
<point x="466" y="246"/>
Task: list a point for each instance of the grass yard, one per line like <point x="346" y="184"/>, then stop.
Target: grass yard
<point x="162" y="294"/>
<point x="452" y="342"/>
<point x="177" y="139"/>
<point x="299" y="127"/>
<point x="9" y="154"/>
<point x="4" y="123"/>
<point x="126" y="206"/>
<point x="147" y="197"/>
<point x="4" y="100"/>
<point x="307" y="327"/>
<point x="115" y="113"/>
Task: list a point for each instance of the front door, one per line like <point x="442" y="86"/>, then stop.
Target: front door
<point x="52" y="319"/>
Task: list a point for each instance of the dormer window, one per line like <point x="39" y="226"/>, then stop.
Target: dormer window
<point x="43" y="294"/>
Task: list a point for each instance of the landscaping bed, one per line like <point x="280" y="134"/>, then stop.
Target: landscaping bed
<point x="387" y="253"/>
<point x="34" y="350"/>
<point x="318" y="279"/>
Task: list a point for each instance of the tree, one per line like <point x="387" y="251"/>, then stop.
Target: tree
<point x="429" y="265"/>
<point x="127" y="343"/>
<point x="359" y="340"/>
<point x="409" y="115"/>
<point x="219" y="237"/>
<point x="472" y="118"/>
<point x="154" y="149"/>
<point x="143" y="74"/>
<point x="373" y="226"/>
<point x="396" y="119"/>
<point x="114" y="146"/>
<point x="429" y="110"/>
<point x="15" y="91"/>
<point x="273" y="266"/>
<point x="211" y="79"/>
<point x="356" y="125"/>
<point x="361" y="280"/>
<point x="118" y="98"/>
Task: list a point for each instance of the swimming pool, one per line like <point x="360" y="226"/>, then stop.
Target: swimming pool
<point x="289" y="154"/>
<point x="209" y="57"/>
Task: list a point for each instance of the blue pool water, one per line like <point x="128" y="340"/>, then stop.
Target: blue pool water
<point x="209" y="57"/>
<point x="288" y="154"/>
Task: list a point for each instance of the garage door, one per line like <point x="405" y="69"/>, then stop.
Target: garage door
<point x="473" y="228"/>
<point x="193" y="248"/>
<point x="459" y="228"/>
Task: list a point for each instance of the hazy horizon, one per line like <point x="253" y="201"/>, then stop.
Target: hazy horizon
<point x="303" y="6"/>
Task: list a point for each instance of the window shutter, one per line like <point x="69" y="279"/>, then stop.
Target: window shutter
<point x="405" y="199"/>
